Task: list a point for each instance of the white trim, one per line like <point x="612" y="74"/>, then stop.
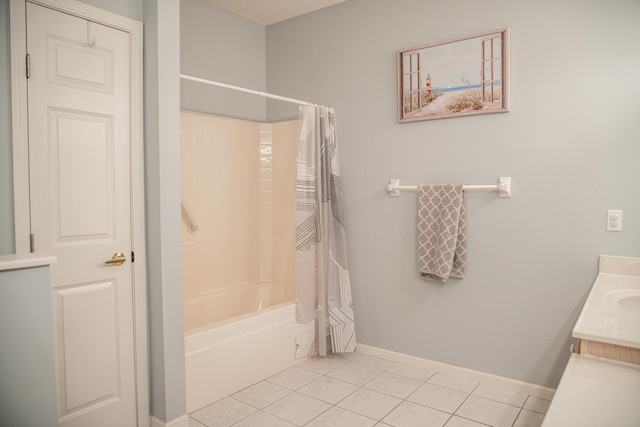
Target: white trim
<point x="19" y="125"/>
<point x="21" y="161"/>
<point x="183" y="421"/>
<point x="481" y="377"/>
<point x="16" y="261"/>
<point x="138" y="239"/>
<point x="85" y="11"/>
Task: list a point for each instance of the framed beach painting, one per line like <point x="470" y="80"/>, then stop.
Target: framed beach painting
<point x="468" y="75"/>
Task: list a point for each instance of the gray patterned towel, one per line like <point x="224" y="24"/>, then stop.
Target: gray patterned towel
<point x="442" y="231"/>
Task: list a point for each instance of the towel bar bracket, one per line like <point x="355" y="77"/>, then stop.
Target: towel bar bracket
<point x="393" y="187"/>
<point x="503" y="187"/>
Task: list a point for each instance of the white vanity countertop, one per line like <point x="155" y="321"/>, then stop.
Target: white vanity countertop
<point x="596" y="392"/>
<point x="17" y="261"/>
<point x="611" y="313"/>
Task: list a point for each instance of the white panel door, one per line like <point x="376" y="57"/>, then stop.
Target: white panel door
<point x="79" y="158"/>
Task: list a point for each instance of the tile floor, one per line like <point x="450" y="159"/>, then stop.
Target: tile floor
<point x="362" y="391"/>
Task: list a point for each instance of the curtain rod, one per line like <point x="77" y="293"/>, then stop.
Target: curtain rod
<point x="242" y="89"/>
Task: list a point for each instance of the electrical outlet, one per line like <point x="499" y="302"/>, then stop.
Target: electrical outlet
<point x="614" y="220"/>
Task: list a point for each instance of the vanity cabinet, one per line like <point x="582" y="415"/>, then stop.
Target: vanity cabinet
<point x="27" y="376"/>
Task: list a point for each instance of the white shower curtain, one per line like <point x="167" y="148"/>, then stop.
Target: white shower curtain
<point x="324" y="312"/>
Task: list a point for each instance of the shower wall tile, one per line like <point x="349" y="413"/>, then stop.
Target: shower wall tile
<point x="284" y="155"/>
<point x="192" y="314"/>
<point x="265" y="185"/>
<point x="190" y="271"/>
<point x="188" y="167"/>
<point x="264" y="203"/>
<point x="229" y="172"/>
<point x="199" y="134"/>
<point x="186" y="132"/>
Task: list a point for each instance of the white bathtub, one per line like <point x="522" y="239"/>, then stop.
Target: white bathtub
<point x="215" y="306"/>
<point x="232" y="354"/>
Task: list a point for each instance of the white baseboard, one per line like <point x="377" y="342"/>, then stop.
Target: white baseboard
<point x="183" y="421"/>
<point x="481" y="377"/>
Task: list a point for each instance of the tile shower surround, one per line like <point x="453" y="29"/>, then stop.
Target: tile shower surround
<point x="360" y="390"/>
<point x="238" y="180"/>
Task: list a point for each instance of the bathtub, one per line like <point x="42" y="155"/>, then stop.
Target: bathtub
<point x="230" y="355"/>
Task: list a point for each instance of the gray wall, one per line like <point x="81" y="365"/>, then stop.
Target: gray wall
<point x="162" y="199"/>
<point x="570" y="142"/>
<point x="6" y="161"/>
<point x="129" y="8"/>
<point x="218" y="45"/>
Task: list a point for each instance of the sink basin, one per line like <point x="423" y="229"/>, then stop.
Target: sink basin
<point x="611" y="313"/>
<point x="627" y="300"/>
<point x="630" y="303"/>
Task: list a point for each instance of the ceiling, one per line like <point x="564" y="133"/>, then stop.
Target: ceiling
<point x="267" y="12"/>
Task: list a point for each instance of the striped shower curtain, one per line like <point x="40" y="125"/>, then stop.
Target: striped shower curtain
<point x="324" y="312"/>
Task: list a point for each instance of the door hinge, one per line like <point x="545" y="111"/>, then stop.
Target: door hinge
<point x="28" y="64"/>
<point x="31" y="242"/>
<point x="133" y="256"/>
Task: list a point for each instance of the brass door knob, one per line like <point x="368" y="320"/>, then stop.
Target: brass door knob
<point x="117" y="259"/>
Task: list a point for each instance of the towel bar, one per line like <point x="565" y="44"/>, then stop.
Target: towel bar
<point x="503" y="187"/>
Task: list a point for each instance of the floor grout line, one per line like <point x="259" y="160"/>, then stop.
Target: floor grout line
<point x="363" y="386"/>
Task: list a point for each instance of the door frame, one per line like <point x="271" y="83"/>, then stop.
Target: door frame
<point x="20" y="146"/>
